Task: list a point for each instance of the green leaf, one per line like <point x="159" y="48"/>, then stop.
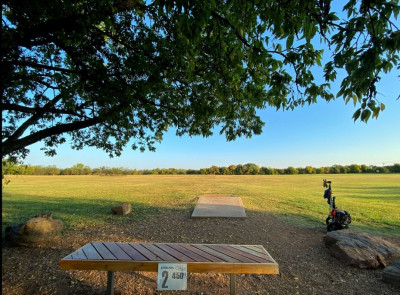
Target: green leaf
<point x="340" y="93"/>
<point x="365" y="115"/>
<point x="357" y="114"/>
<point x="289" y="41"/>
<point x="318" y="61"/>
<point x="375" y="113"/>
<point x="355" y="98"/>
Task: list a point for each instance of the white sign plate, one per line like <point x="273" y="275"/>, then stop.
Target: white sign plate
<point x="172" y="276"/>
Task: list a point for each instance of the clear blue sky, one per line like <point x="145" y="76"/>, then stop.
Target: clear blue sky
<point x="322" y="134"/>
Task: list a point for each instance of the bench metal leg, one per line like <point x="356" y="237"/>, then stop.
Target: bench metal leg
<point x="110" y="282"/>
<point x="233" y="283"/>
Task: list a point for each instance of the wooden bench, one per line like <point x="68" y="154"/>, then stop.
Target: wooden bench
<point x="200" y="258"/>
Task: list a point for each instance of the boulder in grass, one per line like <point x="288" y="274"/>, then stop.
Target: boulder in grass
<point x="361" y="250"/>
<point x="122" y="209"/>
<point x="39" y="229"/>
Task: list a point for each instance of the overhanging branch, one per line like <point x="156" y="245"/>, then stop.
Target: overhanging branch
<point x="32" y="120"/>
<point x="11" y="145"/>
<point x="42" y="66"/>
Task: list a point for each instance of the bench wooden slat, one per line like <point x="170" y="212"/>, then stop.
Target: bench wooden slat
<point x="177" y="254"/>
<point x="188" y="253"/>
<point x="256" y="251"/>
<point x="206" y="255"/>
<point x="253" y="252"/>
<point x="132" y="252"/>
<point x="160" y="253"/>
<point x="145" y="252"/>
<point x="230" y="252"/>
<point x="215" y="253"/>
<point x="254" y="248"/>
<point x="91" y="253"/>
<point x="78" y="254"/>
<point x="103" y="251"/>
<point x="248" y="255"/>
<point x="117" y="251"/>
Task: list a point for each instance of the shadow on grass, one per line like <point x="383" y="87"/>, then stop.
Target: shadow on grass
<point x="73" y="212"/>
<point x="307" y="221"/>
<point x="81" y="213"/>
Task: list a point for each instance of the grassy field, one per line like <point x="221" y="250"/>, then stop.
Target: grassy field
<point x="373" y="200"/>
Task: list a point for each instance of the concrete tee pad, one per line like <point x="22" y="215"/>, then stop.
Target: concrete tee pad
<point x="219" y="206"/>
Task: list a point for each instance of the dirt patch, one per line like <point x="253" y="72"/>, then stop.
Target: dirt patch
<point x="305" y="264"/>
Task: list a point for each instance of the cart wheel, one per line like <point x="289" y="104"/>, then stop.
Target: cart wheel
<point x="333" y="226"/>
<point x="327" y="220"/>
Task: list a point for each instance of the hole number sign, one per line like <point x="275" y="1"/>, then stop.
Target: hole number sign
<point x="172" y="276"/>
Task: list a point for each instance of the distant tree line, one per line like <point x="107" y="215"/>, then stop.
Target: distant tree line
<point x="9" y="167"/>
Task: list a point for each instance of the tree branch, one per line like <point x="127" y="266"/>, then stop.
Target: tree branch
<point x="17" y="108"/>
<point x="32" y="120"/>
<point x="240" y="37"/>
<point x="46" y="67"/>
<point x="13" y="145"/>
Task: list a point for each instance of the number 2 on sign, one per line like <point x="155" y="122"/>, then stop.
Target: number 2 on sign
<point x="164" y="284"/>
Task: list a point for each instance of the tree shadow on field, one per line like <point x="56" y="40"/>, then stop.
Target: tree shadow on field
<point x="73" y="212"/>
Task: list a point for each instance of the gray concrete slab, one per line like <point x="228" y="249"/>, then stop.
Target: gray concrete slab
<point x="219" y="206"/>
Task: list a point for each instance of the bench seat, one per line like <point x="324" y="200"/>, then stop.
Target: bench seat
<point x="200" y="258"/>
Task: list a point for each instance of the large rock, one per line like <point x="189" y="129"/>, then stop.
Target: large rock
<point x="360" y="249"/>
<point x="39" y="229"/>
<point x="122" y="209"/>
<point x="391" y="274"/>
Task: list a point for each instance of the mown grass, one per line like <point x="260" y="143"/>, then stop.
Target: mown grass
<point x="373" y="200"/>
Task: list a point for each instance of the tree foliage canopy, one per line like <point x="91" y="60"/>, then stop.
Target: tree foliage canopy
<point x="109" y="72"/>
<point x="11" y="168"/>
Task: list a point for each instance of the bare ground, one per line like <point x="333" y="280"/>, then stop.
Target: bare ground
<point x="306" y="267"/>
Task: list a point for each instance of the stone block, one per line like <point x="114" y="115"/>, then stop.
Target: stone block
<point x="122" y="209"/>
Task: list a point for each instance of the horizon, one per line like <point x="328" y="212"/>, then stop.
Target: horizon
<point x="227" y="166"/>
